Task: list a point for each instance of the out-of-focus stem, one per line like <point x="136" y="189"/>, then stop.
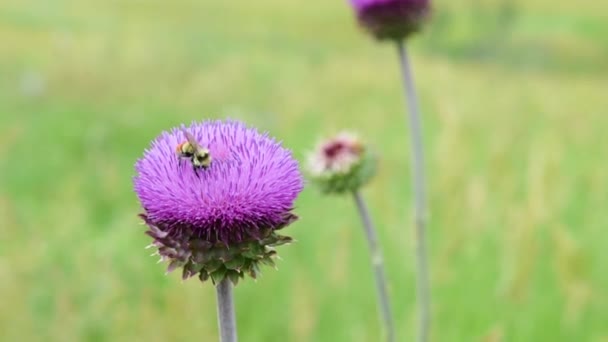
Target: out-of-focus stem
<point x="378" y="265"/>
<point x="418" y="184"/>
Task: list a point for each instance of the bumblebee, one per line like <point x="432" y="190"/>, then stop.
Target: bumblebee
<point x="199" y="156"/>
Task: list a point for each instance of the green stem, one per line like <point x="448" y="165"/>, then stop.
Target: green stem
<point x="225" y="311"/>
<point x="418" y="184"/>
<point x="378" y="265"/>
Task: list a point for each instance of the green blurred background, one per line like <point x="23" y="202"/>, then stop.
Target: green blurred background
<point x="514" y="95"/>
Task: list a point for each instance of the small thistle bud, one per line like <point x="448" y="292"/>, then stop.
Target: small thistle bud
<point x="391" y="19"/>
<point x="218" y="220"/>
<point x="341" y="164"/>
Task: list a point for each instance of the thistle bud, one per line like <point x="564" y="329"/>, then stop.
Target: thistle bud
<point x="391" y="19"/>
<point x="341" y="164"/>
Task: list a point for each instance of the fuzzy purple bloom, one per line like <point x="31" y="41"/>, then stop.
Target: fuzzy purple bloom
<point x="250" y="186"/>
<point x="219" y="221"/>
<point x="391" y="19"/>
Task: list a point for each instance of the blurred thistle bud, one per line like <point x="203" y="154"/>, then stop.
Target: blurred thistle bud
<point x="217" y="216"/>
<point x="341" y="164"/>
<point x="391" y="19"/>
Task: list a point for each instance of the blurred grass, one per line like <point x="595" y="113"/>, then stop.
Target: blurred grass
<point x="514" y="100"/>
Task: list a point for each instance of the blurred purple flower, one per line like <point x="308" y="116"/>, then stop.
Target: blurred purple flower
<point x="206" y="219"/>
<point x="391" y="19"/>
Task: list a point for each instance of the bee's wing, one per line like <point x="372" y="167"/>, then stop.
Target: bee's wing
<point x="191" y="139"/>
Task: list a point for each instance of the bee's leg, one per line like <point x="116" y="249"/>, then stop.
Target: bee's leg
<point x="196" y="171"/>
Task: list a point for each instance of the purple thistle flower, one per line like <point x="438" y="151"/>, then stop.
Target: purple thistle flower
<point x="218" y="221"/>
<point x="391" y="19"/>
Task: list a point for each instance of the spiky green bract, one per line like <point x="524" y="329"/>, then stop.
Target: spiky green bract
<point x="216" y="261"/>
<point x="341" y="164"/>
<point x="343" y="182"/>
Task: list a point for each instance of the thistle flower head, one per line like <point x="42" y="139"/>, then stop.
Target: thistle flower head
<point x="221" y="220"/>
<point x="342" y="163"/>
<point x="391" y="19"/>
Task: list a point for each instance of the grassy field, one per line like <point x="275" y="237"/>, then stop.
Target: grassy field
<point x="514" y="101"/>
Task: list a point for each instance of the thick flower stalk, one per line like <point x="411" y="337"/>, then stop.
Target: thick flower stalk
<point x="220" y="221"/>
<point x="343" y="164"/>
<point x="396" y="21"/>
